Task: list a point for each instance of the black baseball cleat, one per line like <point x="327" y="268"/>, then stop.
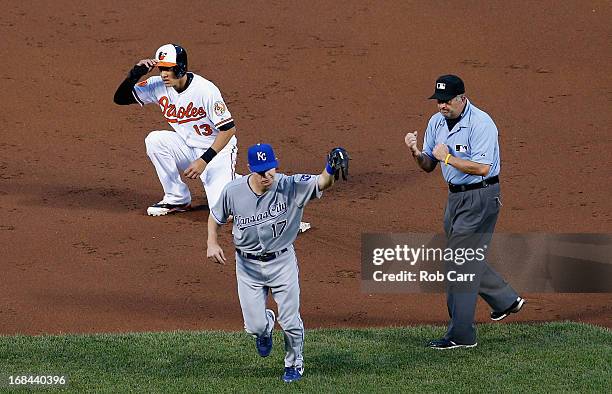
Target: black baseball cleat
<point x="444" y="344"/>
<point x="514" y="308"/>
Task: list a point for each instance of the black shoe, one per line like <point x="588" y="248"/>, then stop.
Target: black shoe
<point x="443" y="344"/>
<point x="514" y="308"/>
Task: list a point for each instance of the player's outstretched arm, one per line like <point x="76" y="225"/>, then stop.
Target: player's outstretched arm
<point x="214" y="251"/>
<point x="326" y="180"/>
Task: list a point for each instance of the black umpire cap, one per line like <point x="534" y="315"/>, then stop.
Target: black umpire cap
<point x="447" y="87"/>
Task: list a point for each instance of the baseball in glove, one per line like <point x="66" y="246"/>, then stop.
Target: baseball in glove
<point x="338" y="160"/>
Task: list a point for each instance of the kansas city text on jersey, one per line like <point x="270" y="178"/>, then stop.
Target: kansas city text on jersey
<point x="273" y="211"/>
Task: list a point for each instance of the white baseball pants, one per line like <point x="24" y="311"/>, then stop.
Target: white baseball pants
<point x="171" y="156"/>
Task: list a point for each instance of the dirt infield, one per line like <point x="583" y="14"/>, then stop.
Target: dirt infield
<point x="78" y="253"/>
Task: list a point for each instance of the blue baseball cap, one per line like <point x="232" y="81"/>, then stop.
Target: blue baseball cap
<point x="261" y="158"/>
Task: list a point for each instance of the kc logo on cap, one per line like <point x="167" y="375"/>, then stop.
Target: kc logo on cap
<point x="441" y="85"/>
<point x="261" y="158"/>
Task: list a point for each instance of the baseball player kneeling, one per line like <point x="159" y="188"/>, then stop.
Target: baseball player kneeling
<point x="202" y="142"/>
<point x="267" y="207"/>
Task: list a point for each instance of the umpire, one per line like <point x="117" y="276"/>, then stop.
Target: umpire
<point x="463" y="139"/>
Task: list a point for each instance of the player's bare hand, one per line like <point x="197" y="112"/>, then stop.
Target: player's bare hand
<point x="195" y="169"/>
<point x="215" y="252"/>
<point x="440" y="151"/>
<point x="411" y="142"/>
<point x="150" y="63"/>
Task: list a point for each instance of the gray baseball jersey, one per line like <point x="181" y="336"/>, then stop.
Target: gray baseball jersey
<point x="265" y="224"/>
<point x="270" y="222"/>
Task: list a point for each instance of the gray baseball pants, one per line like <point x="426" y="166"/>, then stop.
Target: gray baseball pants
<point x="279" y="276"/>
<point x="469" y="222"/>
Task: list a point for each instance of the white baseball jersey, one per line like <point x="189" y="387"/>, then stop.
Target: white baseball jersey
<point x="195" y="113"/>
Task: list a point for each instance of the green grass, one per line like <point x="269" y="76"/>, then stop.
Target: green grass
<point x="548" y="357"/>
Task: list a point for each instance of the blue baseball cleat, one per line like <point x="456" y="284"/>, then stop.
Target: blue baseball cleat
<point x="293" y="374"/>
<point x="264" y="342"/>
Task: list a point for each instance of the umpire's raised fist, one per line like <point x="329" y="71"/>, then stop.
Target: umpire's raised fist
<point x="411" y="142"/>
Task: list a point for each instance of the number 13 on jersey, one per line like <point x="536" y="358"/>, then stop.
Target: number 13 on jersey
<point x="204" y="126"/>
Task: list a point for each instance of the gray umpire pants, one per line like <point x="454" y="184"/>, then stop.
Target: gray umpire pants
<point x="280" y="277"/>
<point x="469" y="222"/>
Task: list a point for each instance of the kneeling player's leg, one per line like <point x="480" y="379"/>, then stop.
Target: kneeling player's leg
<point x="170" y="155"/>
<point x="218" y="173"/>
<point x="286" y="293"/>
<point x="252" y="295"/>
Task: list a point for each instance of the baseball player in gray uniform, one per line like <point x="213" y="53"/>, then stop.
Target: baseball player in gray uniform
<point x="267" y="207"/>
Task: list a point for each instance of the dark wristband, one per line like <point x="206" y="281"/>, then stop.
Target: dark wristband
<point x="208" y="155"/>
<point x="329" y="169"/>
<point x="138" y="71"/>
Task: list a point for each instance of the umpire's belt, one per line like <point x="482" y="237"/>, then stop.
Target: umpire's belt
<point x="261" y="257"/>
<point x="473" y="186"/>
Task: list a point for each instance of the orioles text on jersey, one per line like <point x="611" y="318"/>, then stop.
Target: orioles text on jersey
<point x="182" y="114"/>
